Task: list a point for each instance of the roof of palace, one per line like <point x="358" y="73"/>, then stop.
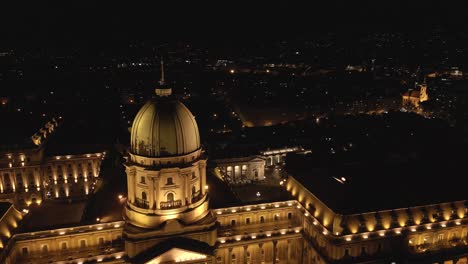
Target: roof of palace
<point x="349" y="190"/>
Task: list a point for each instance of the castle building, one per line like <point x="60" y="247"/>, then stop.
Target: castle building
<point x="413" y="98"/>
<point x="166" y="217"/>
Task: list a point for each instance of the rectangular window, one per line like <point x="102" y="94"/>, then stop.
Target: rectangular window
<point x="63" y="246"/>
<point x="142" y="180"/>
<point x="346" y="251"/>
<point x="169" y="181"/>
<point x="24" y="251"/>
<point x="82" y="243"/>
<point x="101" y="241"/>
<point x="247" y="220"/>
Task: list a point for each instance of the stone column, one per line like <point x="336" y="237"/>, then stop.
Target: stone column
<point x="131" y="186"/>
<point x="245" y="253"/>
<point x="150" y="192"/>
<point x="157" y="195"/>
<point x="215" y="255"/>
<point x="183" y="190"/>
<point x="275" y="250"/>
<point x="260" y="245"/>
<point x="289" y="252"/>
<point x="202" y="166"/>
<point x="301" y="256"/>
<point x="230" y="255"/>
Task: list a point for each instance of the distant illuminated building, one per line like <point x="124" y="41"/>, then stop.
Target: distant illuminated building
<point x="413" y="98"/>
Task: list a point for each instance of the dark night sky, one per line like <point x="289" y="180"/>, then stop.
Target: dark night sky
<point x="37" y="24"/>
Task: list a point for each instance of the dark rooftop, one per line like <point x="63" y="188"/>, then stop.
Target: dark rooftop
<point x="375" y="187"/>
<point x="4" y="206"/>
<point x="51" y="214"/>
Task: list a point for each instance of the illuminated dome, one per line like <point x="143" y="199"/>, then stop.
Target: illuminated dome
<point x="164" y="127"/>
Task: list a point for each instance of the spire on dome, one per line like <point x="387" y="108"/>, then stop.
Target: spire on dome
<point x="163" y="90"/>
<point x="161" y="82"/>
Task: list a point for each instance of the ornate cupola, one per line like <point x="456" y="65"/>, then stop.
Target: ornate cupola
<point x="166" y="176"/>
<point x="166" y="167"/>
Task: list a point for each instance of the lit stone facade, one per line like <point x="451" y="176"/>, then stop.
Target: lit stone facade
<point x="68" y="245"/>
<point x="157" y="195"/>
<point x="28" y="176"/>
<point x="242" y="170"/>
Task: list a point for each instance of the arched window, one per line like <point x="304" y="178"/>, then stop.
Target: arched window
<point x="170" y="197"/>
<point x="45" y="249"/>
<point x="262" y="219"/>
<point x="143" y="196"/>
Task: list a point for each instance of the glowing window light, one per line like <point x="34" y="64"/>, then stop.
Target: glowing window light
<point x="348" y="239"/>
<point x="365" y="236"/>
